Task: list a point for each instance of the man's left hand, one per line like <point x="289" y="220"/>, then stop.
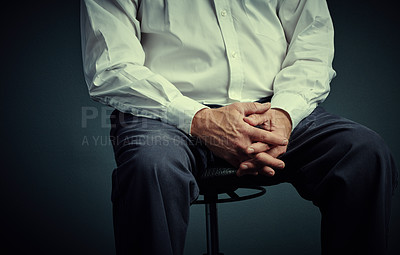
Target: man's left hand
<point x="278" y="122"/>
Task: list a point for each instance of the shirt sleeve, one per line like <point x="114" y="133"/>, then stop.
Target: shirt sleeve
<point x="304" y="79"/>
<point x="113" y="61"/>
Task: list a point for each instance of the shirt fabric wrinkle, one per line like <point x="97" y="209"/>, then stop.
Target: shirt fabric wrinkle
<point x="167" y="59"/>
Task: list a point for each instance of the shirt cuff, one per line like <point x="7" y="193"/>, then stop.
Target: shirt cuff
<point x="180" y="112"/>
<point x="295" y="105"/>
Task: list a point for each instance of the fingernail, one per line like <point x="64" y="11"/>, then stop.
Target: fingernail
<point x="244" y="166"/>
<point x="281" y="165"/>
<point x="250" y="150"/>
<point x="285" y="142"/>
<point x="270" y="172"/>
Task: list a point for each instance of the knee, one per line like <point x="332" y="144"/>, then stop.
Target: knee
<point x="366" y="143"/>
<point x="156" y="157"/>
<point x="157" y="161"/>
<point x="370" y="156"/>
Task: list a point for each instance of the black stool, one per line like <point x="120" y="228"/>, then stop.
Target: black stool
<point x="215" y="181"/>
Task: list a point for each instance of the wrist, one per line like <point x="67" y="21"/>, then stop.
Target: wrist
<point x="198" y="122"/>
<point x="283" y="120"/>
<point x="283" y="115"/>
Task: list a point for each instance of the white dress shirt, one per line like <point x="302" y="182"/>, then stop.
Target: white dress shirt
<point x="165" y="59"/>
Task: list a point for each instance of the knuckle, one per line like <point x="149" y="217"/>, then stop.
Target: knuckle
<point x="265" y="136"/>
<point x="236" y="105"/>
<point x="254" y="105"/>
<point x="257" y="117"/>
<point x="244" y="129"/>
<point x="259" y="157"/>
<point x="251" y="117"/>
<point x="241" y="147"/>
<point x="241" y="129"/>
<point x="235" y="142"/>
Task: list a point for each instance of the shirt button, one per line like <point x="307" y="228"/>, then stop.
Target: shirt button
<point x="234" y="54"/>
<point x="223" y="13"/>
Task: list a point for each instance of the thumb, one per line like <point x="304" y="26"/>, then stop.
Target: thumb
<point x="253" y="107"/>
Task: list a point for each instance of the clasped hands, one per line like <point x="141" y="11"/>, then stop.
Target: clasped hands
<point x="249" y="136"/>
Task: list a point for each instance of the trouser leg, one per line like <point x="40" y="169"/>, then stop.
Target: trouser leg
<point x="349" y="173"/>
<point x="153" y="185"/>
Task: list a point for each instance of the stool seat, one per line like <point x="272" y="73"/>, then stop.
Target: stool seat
<point x="218" y="180"/>
<point x="218" y="172"/>
<point x="223" y="180"/>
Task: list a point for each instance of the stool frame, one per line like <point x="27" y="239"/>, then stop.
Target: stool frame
<point x="210" y="201"/>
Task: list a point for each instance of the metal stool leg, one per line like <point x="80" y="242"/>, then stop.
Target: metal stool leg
<point x="212" y="225"/>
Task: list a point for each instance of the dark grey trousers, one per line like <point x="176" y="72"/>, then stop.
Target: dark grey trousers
<point x="342" y="167"/>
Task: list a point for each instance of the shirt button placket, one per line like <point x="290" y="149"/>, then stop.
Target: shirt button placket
<point x="232" y="50"/>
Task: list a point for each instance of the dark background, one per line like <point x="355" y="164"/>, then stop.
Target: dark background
<point x="55" y="167"/>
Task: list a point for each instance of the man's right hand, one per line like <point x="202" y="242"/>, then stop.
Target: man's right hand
<point x="227" y="135"/>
